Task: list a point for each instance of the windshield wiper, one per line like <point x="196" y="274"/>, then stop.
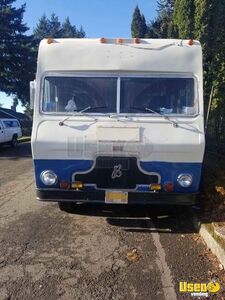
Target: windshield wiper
<point x="165" y="117"/>
<point x="157" y="113"/>
<point x="61" y="123"/>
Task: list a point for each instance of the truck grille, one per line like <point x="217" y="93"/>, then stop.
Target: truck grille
<point x="116" y="173"/>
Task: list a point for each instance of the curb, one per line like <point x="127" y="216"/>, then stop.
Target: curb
<point x="213" y="239"/>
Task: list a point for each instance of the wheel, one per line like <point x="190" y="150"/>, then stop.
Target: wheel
<point x="14" y="141"/>
<point x="66" y="206"/>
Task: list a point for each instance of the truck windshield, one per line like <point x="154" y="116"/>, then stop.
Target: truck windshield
<point x="74" y="94"/>
<point x="160" y="95"/>
<point x="138" y="95"/>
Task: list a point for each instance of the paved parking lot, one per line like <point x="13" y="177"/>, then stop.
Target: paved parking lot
<point x="96" y="252"/>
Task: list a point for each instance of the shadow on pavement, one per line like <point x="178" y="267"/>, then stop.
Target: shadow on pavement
<point x="22" y="150"/>
<point x="145" y="219"/>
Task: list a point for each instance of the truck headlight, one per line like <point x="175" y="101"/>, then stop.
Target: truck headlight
<point x="48" y="177"/>
<point x="184" y="180"/>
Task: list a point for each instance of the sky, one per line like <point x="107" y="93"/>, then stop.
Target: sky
<point x="99" y="18"/>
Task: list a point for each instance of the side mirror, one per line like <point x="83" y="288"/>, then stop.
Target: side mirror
<point x="32" y="93"/>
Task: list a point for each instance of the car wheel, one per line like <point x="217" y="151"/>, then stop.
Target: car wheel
<point x="14" y="141"/>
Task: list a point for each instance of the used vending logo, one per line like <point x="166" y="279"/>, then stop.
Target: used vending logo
<point x="199" y="289"/>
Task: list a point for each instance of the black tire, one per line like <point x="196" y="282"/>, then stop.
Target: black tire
<point x="14" y="141"/>
<point x="67" y="206"/>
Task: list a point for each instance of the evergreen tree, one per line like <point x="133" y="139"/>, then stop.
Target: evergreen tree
<point x="184" y="18"/>
<point x="43" y="28"/>
<point x="48" y="28"/>
<point x="16" y="51"/>
<point x="143" y="26"/>
<point x="55" y="27"/>
<point x="154" y="29"/>
<point x="138" y="25"/>
<point x="70" y="31"/>
<point x="163" y="26"/>
<point x="165" y="9"/>
<point x="81" y="33"/>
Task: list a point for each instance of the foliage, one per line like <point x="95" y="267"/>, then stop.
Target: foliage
<point x="138" y="25"/>
<point x="70" y="31"/>
<point x="165" y="18"/>
<point x="163" y="26"/>
<point x="17" y="63"/>
<point x="18" y="51"/>
<point x="53" y="28"/>
<point x="184" y="15"/>
<point x="154" y="29"/>
<point x="28" y="110"/>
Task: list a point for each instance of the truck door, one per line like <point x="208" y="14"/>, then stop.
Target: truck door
<point x="2" y="133"/>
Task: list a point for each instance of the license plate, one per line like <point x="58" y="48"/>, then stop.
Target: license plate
<point x="115" y="197"/>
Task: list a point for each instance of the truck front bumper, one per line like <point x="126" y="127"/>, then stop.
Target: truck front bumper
<point x="159" y="198"/>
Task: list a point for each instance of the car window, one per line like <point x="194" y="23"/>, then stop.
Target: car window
<point x="15" y="124"/>
<point x="10" y="124"/>
<point x="73" y="94"/>
<point x="162" y="95"/>
<point x="7" y="124"/>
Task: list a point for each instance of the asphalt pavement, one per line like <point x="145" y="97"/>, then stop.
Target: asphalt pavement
<point x="97" y="251"/>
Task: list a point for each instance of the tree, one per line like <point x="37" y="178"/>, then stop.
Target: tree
<point x="53" y="28"/>
<point x="138" y="25"/>
<point x="165" y="18"/>
<point x="165" y="7"/>
<point x="153" y="29"/>
<point x="17" y="57"/>
<point x="69" y="31"/>
<point x="81" y="33"/>
<point x="163" y="26"/>
<point x="43" y="28"/>
<point x="48" y="28"/>
<point x="184" y="18"/>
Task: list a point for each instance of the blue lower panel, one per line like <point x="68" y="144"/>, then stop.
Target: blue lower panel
<point x="63" y="168"/>
<point x="168" y="171"/>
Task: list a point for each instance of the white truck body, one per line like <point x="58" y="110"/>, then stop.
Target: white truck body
<point x="72" y="139"/>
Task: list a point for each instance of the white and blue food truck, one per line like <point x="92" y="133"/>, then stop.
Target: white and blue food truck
<point x="118" y="121"/>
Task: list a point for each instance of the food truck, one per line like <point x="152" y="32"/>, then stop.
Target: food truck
<point x="118" y="121"/>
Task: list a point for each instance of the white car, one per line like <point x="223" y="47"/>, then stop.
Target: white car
<point x="10" y="131"/>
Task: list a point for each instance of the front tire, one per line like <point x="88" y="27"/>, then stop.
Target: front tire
<point x="66" y="206"/>
<point x="14" y="141"/>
